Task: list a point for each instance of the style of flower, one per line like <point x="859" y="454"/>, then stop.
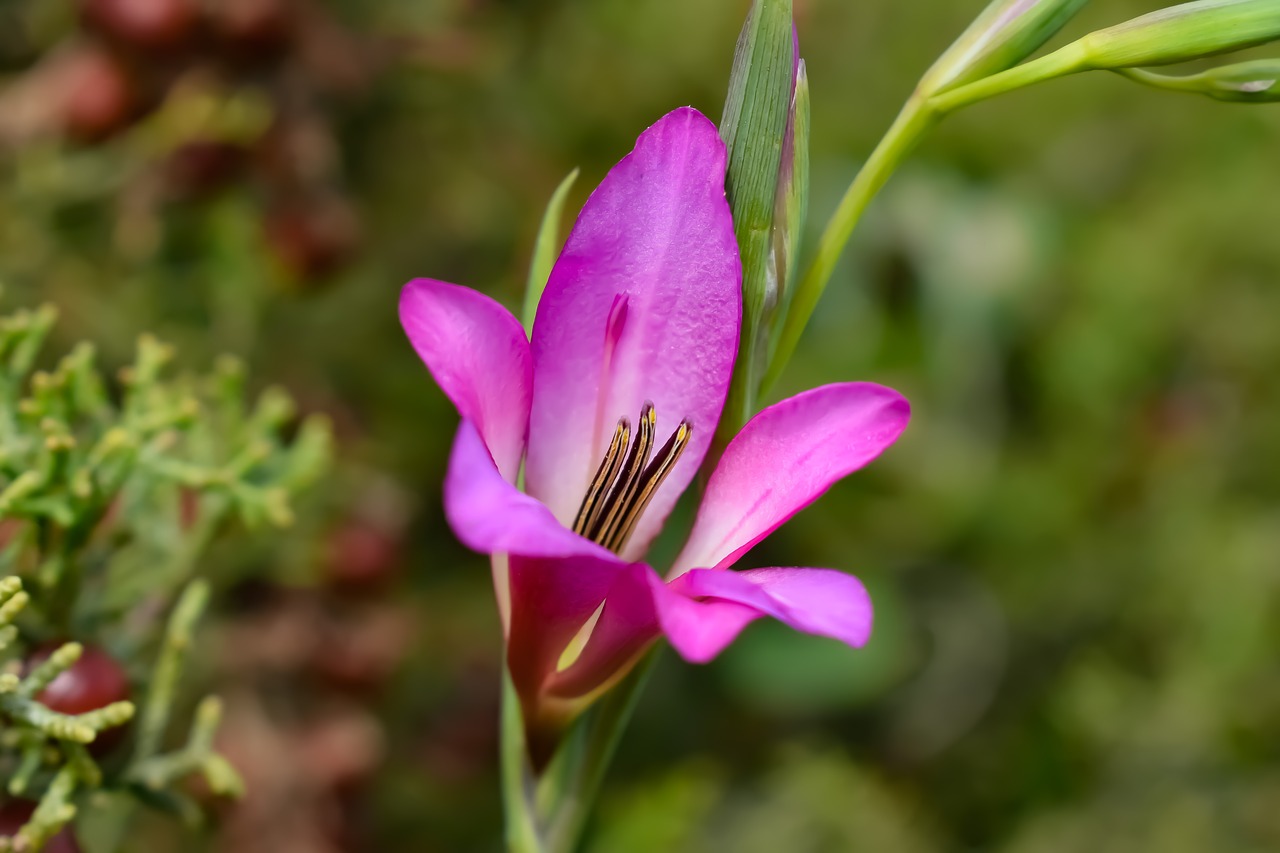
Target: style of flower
<point x="611" y="408"/>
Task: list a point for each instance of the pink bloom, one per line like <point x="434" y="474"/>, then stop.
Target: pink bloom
<point x="612" y="407"/>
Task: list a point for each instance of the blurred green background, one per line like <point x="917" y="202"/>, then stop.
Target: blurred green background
<point x="1074" y="551"/>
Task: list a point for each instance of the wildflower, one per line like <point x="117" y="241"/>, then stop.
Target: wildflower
<point x="611" y="408"/>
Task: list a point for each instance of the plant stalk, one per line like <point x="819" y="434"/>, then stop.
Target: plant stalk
<point x="916" y="117"/>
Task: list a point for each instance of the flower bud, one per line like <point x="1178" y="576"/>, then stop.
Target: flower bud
<point x="1176" y="34"/>
<point x="790" y="203"/>
<point x="1007" y="32"/>
<point x="1256" y="82"/>
<point x="1251" y="82"/>
<point x="1184" y="32"/>
<point x="756" y="113"/>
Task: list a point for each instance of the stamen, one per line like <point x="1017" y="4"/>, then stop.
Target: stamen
<point x="589" y="512"/>
<point x="620" y="492"/>
<point x="629" y="481"/>
<point x="650" y="480"/>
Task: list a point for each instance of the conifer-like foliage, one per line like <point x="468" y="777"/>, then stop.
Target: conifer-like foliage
<point x="111" y="490"/>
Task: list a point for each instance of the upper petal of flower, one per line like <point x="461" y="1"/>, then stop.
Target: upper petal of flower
<point x="479" y="356"/>
<point x="644" y="304"/>
<point x="784" y="458"/>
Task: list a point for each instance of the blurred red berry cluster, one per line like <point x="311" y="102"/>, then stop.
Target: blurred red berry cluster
<point x="128" y="60"/>
<point x="94" y="681"/>
<point x="303" y="669"/>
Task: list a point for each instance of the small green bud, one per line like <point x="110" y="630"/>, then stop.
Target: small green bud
<point x="109" y="716"/>
<point x="275" y="407"/>
<point x="22" y="486"/>
<point x="1004" y="34"/>
<point x="275" y="502"/>
<point x="13" y="605"/>
<point x="208" y="718"/>
<point x="222" y="777"/>
<point x="1255" y="82"/>
<point x="1245" y="81"/>
<point x="62" y="659"/>
<point x="1184" y="32"/>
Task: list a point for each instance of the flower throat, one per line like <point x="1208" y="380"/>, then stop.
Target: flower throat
<point x="622" y="488"/>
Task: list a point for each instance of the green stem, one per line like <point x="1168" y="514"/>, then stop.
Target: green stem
<point x="168" y="669"/>
<point x="517" y="779"/>
<point x="919" y="114"/>
<point x="1180" y="83"/>
<point x="606" y="723"/>
<point x="1066" y="60"/>
<point x="916" y="117"/>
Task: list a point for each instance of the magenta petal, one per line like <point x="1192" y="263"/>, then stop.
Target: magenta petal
<point x="699" y="630"/>
<point x="643" y="304"/>
<point x="702" y="611"/>
<point x="479" y="356"/>
<point x="626" y="626"/>
<point x="784" y="458"/>
<point x="551" y="600"/>
<point x="494" y="517"/>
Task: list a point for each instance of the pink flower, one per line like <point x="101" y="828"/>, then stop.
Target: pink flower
<point x="611" y="408"/>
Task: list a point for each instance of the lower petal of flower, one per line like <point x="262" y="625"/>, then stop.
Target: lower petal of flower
<point x="627" y="626"/>
<point x="492" y="516"/>
<point x="703" y="610"/>
<point x="552" y="599"/>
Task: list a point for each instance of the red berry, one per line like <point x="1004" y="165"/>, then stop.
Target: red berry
<point x="147" y="24"/>
<point x="94" y="681"/>
<point x="99" y="96"/>
<point x="15" y="813"/>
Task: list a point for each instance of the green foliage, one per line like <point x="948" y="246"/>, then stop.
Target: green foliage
<point x="107" y="502"/>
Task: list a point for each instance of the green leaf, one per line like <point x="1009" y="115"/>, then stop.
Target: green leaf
<point x="755" y="119"/>
<point x="545" y="250"/>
